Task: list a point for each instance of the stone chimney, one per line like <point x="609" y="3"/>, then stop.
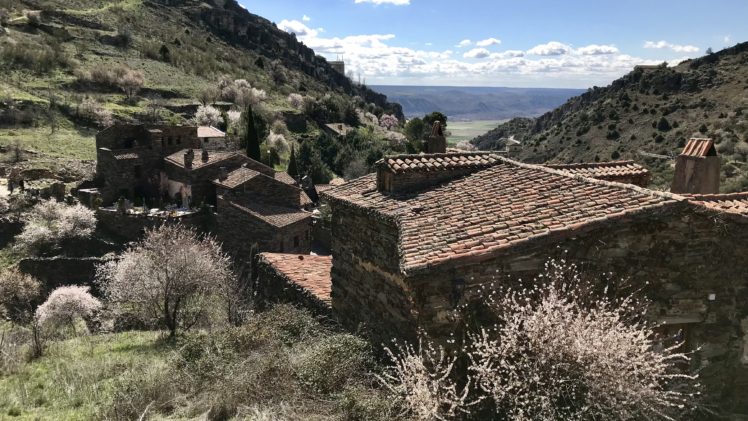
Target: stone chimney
<point x="697" y="168"/>
<point x="205" y="156"/>
<point x="189" y="157"/>
<point x="437" y="143"/>
<point x="223" y="173"/>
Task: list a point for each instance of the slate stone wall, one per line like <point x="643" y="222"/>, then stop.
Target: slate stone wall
<point x="689" y="262"/>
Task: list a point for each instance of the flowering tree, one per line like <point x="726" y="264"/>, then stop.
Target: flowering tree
<point x="557" y="353"/>
<point x="130" y="82"/>
<point x="51" y="222"/>
<point x="422" y="380"/>
<point x="207" y="115"/>
<point x="171" y="277"/>
<point x="389" y="121"/>
<point x="65" y="306"/>
<point x="296" y="101"/>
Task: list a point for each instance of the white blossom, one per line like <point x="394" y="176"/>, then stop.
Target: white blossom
<point x="207" y="115"/>
<point x="65" y="306"/>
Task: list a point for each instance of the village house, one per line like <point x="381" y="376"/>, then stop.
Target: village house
<point x="257" y="208"/>
<point x="425" y="233"/>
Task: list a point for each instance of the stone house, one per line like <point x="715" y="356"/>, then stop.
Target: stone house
<point x="262" y="210"/>
<point x="258" y="208"/>
<point x="426" y="233"/>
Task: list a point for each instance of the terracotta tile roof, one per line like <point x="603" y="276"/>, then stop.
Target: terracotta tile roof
<point x="699" y="148"/>
<point x="283" y="177"/>
<point x="736" y="203"/>
<point x="214" y="157"/>
<point x="438" y="162"/>
<point x="481" y="215"/>
<point x="236" y="178"/>
<point x="311" y="273"/>
<point x="276" y="216"/>
<point x="611" y="171"/>
<point x="209" y="131"/>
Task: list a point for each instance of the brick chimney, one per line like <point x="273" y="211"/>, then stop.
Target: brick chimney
<point x="437" y="143"/>
<point x="189" y="157"/>
<point x="697" y="168"/>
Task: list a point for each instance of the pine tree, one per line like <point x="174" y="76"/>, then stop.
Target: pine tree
<point x="252" y="140"/>
<point x="293" y="170"/>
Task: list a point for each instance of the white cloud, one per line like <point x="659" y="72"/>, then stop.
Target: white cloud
<point x="477" y="53"/>
<point x="379" y="59"/>
<point x="378" y="2"/>
<point x="464" y="43"/>
<point x="594" y="49"/>
<point x="675" y="47"/>
<point x="306" y="18"/>
<point x="488" y="42"/>
<point x="553" y="48"/>
<point x="298" y="28"/>
<point x="507" y="54"/>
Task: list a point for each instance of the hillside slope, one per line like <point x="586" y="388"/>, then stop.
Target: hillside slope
<point x="650" y="111"/>
<point x="59" y="59"/>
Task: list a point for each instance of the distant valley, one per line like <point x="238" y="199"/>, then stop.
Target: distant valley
<point x="476" y="103"/>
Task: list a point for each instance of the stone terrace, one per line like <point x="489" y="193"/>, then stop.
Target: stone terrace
<point x="482" y="214"/>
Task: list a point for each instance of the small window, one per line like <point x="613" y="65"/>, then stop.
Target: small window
<point x="169" y="141"/>
<point x="296" y="241"/>
<point x="207" y="140"/>
<point x="179" y="140"/>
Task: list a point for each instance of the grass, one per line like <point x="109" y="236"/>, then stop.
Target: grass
<point x="65" y="142"/>
<point x="77" y="376"/>
<point x="467" y="130"/>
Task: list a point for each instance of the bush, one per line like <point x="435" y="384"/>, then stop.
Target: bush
<point x="140" y="392"/>
<point x="18" y="294"/>
<point x="50" y="223"/>
<point x="92" y="110"/>
<point x="296" y="101"/>
<point x="328" y="364"/>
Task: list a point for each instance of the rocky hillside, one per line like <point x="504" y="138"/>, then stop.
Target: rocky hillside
<point x="650" y="111"/>
<point x="70" y="67"/>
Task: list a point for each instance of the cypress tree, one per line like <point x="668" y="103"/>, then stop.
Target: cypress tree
<point x="252" y="140"/>
<point x="292" y="170"/>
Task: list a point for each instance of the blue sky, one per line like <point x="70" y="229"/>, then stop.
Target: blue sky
<point x="521" y="43"/>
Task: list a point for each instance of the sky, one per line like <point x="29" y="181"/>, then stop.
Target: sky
<point x="518" y="43"/>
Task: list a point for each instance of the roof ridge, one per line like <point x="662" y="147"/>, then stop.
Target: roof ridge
<point x="625" y="186"/>
<point x="594" y="164"/>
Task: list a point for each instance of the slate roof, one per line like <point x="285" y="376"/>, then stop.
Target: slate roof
<point x="698" y="147"/>
<point x="400" y="164"/>
<point x="735" y="203"/>
<point x="276" y="216"/>
<point x="311" y="273"/>
<point x="478" y="216"/>
<point x="209" y="131"/>
<point x="611" y="171"/>
<point x="214" y="157"/>
<point x="236" y="178"/>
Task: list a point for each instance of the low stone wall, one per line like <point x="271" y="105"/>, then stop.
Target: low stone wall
<point x="129" y="227"/>
<point x="53" y="272"/>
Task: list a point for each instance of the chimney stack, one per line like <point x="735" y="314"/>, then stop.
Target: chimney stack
<point x="205" y="157"/>
<point x="437" y="143"/>
<point x="697" y="168"/>
<point x="189" y="157"/>
<point x="223" y="173"/>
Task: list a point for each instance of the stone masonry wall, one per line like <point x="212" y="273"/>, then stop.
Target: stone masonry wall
<point x="679" y="258"/>
<point x="367" y="293"/>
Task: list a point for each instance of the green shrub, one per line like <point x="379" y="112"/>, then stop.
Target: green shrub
<point x="329" y="363"/>
<point x="143" y="391"/>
